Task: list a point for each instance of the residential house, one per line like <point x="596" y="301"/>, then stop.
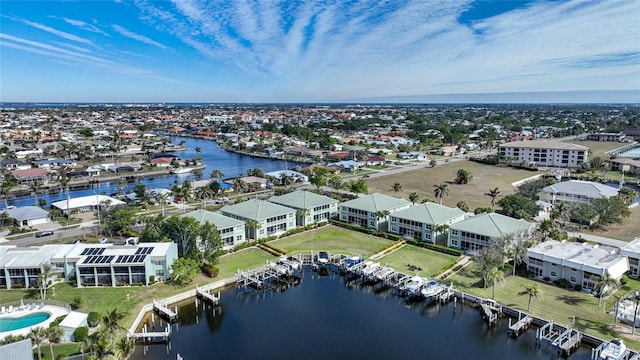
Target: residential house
<point x="27" y="216"/>
<point x="272" y="219"/>
<point x="581" y="264"/>
<point x="606" y="137"/>
<point x="625" y="164"/>
<point x="310" y="207"/>
<point x="477" y="232"/>
<point x="371" y="211"/>
<point x="86" y="203"/>
<point x="31" y="175"/>
<point x="576" y="191"/>
<point x="232" y="231"/>
<point x="546" y="153"/>
<point x="425" y="222"/>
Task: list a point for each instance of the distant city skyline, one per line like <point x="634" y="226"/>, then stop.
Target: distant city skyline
<point x="320" y="52"/>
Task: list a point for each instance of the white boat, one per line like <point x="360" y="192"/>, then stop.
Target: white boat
<point x="384" y="273"/>
<point x="614" y="350"/>
<point x="323" y="257"/>
<point x="370" y="269"/>
<point x="431" y="289"/>
<point x="181" y="170"/>
<point x="413" y="286"/>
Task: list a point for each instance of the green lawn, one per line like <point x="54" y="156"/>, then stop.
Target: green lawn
<point x="244" y="260"/>
<point x="559" y="305"/>
<point x="429" y="261"/>
<point x="333" y="239"/>
<point x="598" y="148"/>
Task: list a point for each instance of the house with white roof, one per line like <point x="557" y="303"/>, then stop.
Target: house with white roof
<point x="477" y="232"/>
<point x="632" y="251"/>
<point x="422" y="221"/>
<point x="71" y="322"/>
<point x="310" y="207"/>
<point x="371" y="211"/>
<point x="579" y="263"/>
<point x="232" y="231"/>
<point x="272" y="219"/>
<point x="86" y="203"/>
<point x="26" y="216"/>
<point x="576" y="191"/>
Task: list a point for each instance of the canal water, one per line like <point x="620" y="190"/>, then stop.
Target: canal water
<point x="331" y="318"/>
<point x="215" y="158"/>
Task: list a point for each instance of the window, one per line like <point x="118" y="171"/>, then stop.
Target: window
<point x="572" y="279"/>
<point x="554" y="274"/>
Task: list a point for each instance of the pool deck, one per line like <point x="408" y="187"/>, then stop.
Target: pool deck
<point x="20" y="311"/>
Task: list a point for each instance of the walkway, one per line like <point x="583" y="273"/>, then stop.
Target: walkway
<point x="457" y="266"/>
<point x="599" y="239"/>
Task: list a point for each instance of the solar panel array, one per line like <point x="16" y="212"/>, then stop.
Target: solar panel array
<point x="125" y="259"/>
<point x="144" y="251"/>
<point x="92" y="251"/>
<point x="98" y="259"/>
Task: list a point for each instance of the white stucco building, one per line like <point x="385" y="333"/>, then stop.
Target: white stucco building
<point x="547" y="153"/>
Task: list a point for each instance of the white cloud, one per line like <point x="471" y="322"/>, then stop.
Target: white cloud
<point x="85" y="26"/>
<point x="56" y="32"/>
<point x="143" y="39"/>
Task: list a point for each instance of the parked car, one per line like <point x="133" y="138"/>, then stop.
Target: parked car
<point x="44" y="233"/>
<point x="104" y="241"/>
<point x="132" y="241"/>
<point x="177" y="200"/>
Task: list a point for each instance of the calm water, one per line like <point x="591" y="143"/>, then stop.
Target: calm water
<point x="9" y="324"/>
<point x="328" y="318"/>
<point x="633" y="153"/>
<point x="231" y="164"/>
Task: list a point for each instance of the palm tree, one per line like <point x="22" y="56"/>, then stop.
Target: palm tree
<point x="413" y="197"/>
<point x="53" y="334"/>
<point x="438" y="229"/>
<point x="518" y="252"/>
<point x="493" y="194"/>
<point x="545" y="228"/>
<point x="561" y="214"/>
<point x="396" y="187"/>
<point x="205" y="193"/>
<point x="636" y="300"/>
<point x="111" y="321"/>
<point x="440" y="191"/>
<point x="216" y="174"/>
<point x="252" y="226"/>
<point x="6" y="186"/>
<point x="533" y="292"/>
<point x="124" y="348"/>
<point x="302" y="214"/>
<point x="238" y="184"/>
<point x="35" y="186"/>
<point x="43" y="279"/>
<point x="463" y="176"/>
<point x="162" y="199"/>
<point x="37" y="335"/>
<point x="606" y="281"/>
<point x="494" y="276"/>
<point x="64" y="182"/>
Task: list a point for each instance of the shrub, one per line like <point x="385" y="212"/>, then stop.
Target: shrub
<point x="76" y="303"/>
<point x="152" y="279"/>
<point x="93" y="319"/>
<point x="81" y="333"/>
<point x="211" y="271"/>
<point x="577" y="287"/>
<point x="563" y="283"/>
<point x="57" y="321"/>
<point x="624" y="280"/>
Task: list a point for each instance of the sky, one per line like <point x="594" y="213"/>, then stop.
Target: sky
<point x="269" y="51"/>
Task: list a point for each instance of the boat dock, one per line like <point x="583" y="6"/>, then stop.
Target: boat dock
<point x="163" y="309"/>
<point x="446" y="295"/>
<point x="263" y="277"/>
<point x="490" y="312"/>
<point x="521" y="325"/>
<point x="565" y="339"/>
<point x="206" y="295"/>
<point x="152" y="336"/>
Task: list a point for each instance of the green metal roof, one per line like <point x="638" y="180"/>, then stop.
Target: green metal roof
<point x="302" y="200"/>
<point x="491" y="224"/>
<point x="429" y="213"/>
<point x="256" y="209"/>
<point x="220" y="221"/>
<point x="375" y="202"/>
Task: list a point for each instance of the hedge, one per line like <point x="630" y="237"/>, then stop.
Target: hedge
<point x="435" y="247"/>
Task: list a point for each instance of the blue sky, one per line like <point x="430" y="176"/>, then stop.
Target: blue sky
<point x="323" y="51"/>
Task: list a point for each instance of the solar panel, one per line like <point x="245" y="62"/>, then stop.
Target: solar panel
<point x="144" y="250"/>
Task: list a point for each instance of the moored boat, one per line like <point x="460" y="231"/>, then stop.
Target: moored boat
<point x="614" y="350"/>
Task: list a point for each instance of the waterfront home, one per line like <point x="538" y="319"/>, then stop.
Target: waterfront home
<point x="27" y="216"/>
<point x="270" y="219"/>
<point x="49" y="164"/>
<point x="625" y="165"/>
<point x="581" y="264"/>
<point x="310" y="207"/>
<point x="545" y="153"/>
<point x="296" y="176"/>
<point x="576" y="191"/>
<point x="619" y="137"/>
<point x="632" y="252"/>
<point x="86" y="203"/>
<point x="371" y="211"/>
<point x="29" y="176"/>
<point x="477" y="232"/>
<point x="425" y="222"/>
<point x="232" y="231"/>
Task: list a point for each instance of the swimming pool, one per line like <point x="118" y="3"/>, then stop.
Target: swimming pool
<point x="15" y="323"/>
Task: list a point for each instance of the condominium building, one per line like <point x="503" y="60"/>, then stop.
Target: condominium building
<point x="270" y="219"/>
<point x="232" y="231"/>
<point x="576" y="191"/>
<point x="477" y="232"/>
<point x="580" y="263"/>
<point x="425" y="222"/>
<point x="310" y="207"/>
<point x="371" y="211"/>
<point x="547" y="153"/>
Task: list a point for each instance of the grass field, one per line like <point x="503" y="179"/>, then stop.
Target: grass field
<point x="598" y="148"/>
<point x="429" y="261"/>
<point x="627" y="231"/>
<point x="333" y="239"/>
<point x="422" y="181"/>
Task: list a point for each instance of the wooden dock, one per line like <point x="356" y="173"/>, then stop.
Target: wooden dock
<point x="152" y="336"/>
<point x="569" y="341"/>
<point x="206" y="295"/>
<point x="490" y="313"/>
<point x="521" y="325"/>
<point x="163" y="310"/>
